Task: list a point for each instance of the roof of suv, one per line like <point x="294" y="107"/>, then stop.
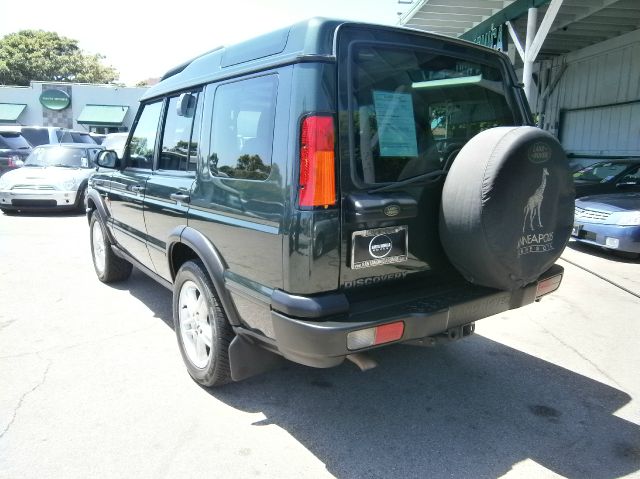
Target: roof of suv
<point x="312" y="37"/>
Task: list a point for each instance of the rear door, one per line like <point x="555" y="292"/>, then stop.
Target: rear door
<point x="411" y="101"/>
<point x="168" y="189"/>
<point x="128" y="185"/>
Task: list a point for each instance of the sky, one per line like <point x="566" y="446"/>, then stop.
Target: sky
<point x="144" y="39"/>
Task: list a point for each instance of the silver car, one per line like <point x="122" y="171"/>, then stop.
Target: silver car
<point x="53" y="176"/>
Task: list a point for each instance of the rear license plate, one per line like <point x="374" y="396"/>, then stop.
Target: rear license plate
<point x="379" y="246"/>
<point x="576" y="230"/>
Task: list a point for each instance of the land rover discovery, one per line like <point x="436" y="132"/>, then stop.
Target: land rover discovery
<point x="331" y="188"/>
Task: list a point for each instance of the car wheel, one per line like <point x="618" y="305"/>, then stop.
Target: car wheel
<point x="108" y="266"/>
<point x="201" y="326"/>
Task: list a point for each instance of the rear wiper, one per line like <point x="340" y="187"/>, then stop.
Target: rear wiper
<point x="436" y="175"/>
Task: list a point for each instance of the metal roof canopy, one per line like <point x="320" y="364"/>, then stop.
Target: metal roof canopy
<point x="578" y="23"/>
<point x="549" y="27"/>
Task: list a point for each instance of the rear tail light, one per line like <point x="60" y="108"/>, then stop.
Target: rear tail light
<point x="548" y="285"/>
<point x="374" y="336"/>
<point x="317" y="183"/>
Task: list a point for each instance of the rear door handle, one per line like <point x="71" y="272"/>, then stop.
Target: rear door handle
<point x="180" y="197"/>
<point x="137" y="189"/>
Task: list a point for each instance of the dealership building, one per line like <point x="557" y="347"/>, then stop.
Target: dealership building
<point x="96" y="108"/>
<point x="579" y="61"/>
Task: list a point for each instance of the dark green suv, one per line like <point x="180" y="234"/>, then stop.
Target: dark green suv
<point x="330" y="188"/>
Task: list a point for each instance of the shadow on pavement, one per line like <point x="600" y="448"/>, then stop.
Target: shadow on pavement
<point x="474" y="408"/>
<point x="620" y="257"/>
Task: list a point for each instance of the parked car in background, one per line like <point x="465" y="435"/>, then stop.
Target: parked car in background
<point x="40" y="135"/>
<point x="14" y="149"/>
<point x="612" y="176"/>
<point x="52" y="135"/>
<point x="74" y="136"/>
<point x="609" y="221"/>
<point x="115" y="142"/>
<point x="54" y="176"/>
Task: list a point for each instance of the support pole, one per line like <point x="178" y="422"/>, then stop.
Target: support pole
<point x="527" y="73"/>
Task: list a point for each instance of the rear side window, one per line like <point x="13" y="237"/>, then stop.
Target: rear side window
<point x="143" y="139"/>
<point x="412" y="110"/>
<point x="242" y="128"/>
<point x="13" y="141"/>
<point x="36" y="136"/>
<point x="178" y="151"/>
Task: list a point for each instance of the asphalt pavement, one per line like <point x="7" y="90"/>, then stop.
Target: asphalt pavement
<point x="92" y="384"/>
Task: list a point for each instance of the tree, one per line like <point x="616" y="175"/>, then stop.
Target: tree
<point x="36" y="55"/>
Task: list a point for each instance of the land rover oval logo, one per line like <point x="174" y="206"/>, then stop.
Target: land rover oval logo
<point x="380" y="246"/>
<point x="539" y="152"/>
<point x="55" y="99"/>
<point x="391" y="210"/>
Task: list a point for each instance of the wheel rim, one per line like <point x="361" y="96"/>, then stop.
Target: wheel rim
<point x="195" y="325"/>
<point x="99" y="248"/>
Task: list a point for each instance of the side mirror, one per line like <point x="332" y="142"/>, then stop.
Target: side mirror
<point x="186" y="105"/>
<point x="108" y="159"/>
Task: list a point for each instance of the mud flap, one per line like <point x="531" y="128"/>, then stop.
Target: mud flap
<point x="247" y="359"/>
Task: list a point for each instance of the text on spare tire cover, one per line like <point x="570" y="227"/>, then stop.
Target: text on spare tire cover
<point x="533" y="240"/>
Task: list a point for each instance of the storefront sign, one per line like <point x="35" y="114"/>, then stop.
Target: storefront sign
<point x="495" y="38"/>
<point x="55" y="99"/>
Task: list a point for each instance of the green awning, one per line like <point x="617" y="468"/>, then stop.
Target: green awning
<point x="11" y="111"/>
<point x="112" y="115"/>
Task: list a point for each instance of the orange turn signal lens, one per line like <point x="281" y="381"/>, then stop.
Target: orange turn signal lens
<point x="317" y="183"/>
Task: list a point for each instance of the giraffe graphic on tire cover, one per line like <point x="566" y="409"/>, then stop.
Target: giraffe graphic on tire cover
<point x="532" y="208"/>
<point x="535" y="242"/>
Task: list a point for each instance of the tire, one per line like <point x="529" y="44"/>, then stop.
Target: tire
<point x="507" y="207"/>
<point x="203" y="342"/>
<point x="109" y="267"/>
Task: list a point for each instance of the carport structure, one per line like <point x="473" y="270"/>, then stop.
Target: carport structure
<point x="579" y="61"/>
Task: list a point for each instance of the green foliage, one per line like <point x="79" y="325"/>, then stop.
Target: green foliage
<point x="36" y="55"/>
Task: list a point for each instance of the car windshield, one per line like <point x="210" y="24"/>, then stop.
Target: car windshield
<point x="412" y="110"/>
<point x="600" y="172"/>
<point x="60" y="156"/>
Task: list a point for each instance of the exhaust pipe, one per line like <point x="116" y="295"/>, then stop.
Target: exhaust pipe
<point x="363" y="361"/>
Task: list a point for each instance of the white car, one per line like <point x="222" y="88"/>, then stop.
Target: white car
<point x="53" y="176"/>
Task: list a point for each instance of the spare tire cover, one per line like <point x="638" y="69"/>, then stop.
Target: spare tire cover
<point x="507" y="207"/>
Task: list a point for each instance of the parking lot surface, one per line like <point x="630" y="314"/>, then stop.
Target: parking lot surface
<point x="92" y="384"/>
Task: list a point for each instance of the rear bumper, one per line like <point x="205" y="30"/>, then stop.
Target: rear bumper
<point x="324" y="343"/>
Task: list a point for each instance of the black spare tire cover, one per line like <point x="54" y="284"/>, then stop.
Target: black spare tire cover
<point x="507" y="207"/>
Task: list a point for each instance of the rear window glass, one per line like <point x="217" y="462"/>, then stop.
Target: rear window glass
<point x="36" y="136"/>
<point x="412" y="110"/>
<point x="13" y="141"/>
<point x="77" y="137"/>
<point x="600" y="172"/>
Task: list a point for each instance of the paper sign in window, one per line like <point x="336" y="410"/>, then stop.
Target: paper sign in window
<point x="396" y="126"/>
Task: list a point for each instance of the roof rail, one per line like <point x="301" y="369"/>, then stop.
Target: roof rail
<point x="182" y="66"/>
